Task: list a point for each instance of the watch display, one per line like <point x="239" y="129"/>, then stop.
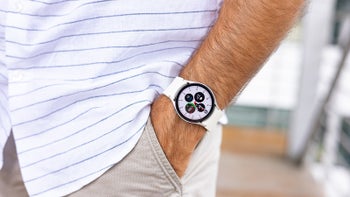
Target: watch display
<point x="194" y="102"/>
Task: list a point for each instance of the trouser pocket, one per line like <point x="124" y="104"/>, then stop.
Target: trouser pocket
<point x="160" y="155"/>
<point x="145" y="172"/>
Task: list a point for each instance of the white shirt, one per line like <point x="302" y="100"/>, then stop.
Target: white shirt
<point x="77" y="78"/>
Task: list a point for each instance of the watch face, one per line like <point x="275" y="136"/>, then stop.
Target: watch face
<point x="194" y="102"/>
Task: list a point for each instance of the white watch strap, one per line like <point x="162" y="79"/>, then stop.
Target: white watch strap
<point x="214" y="119"/>
<point x="174" y="87"/>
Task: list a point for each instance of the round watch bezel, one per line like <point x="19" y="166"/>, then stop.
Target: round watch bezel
<point x="176" y="102"/>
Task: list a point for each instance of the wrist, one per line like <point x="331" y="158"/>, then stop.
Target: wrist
<point x="166" y="121"/>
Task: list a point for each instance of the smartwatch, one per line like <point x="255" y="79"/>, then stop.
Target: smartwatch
<point x="194" y="102"/>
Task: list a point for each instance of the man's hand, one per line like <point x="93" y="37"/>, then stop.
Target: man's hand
<point x="244" y="36"/>
<point x="177" y="137"/>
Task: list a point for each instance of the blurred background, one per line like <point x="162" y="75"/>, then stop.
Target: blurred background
<point x="288" y="133"/>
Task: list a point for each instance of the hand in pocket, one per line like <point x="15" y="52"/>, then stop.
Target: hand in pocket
<point x="177" y="138"/>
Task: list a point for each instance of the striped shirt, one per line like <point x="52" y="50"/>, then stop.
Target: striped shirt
<point x="77" y="78"/>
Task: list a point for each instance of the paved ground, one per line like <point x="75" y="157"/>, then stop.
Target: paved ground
<point x="253" y="164"/>
<point x="245" y="175"/>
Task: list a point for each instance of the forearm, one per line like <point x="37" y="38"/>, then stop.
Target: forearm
<point x="246" y="33"/>
<point x="243" y="37"/>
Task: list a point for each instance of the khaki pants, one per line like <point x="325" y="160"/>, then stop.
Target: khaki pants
<point x="145" y="171"/>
